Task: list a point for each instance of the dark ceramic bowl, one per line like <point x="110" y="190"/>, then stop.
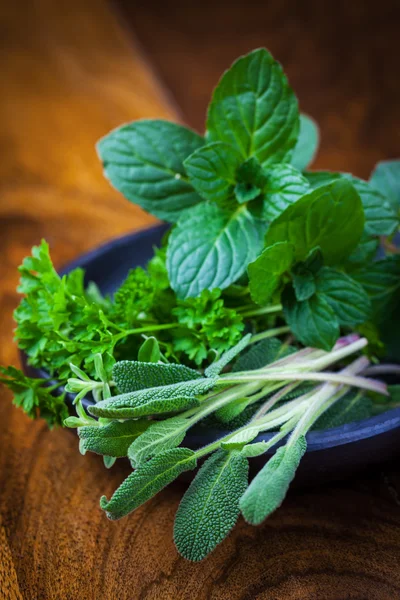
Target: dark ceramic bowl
<point x="331" y="454"/>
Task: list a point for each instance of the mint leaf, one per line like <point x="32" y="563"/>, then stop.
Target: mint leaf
<point x="312" y="321"/>
<point x="210" y="507"/>
<point x="211" y="247"/>
<point x="149" y="351"/>
<point x="330" y="217"/>
<point x="212" y="172"/>
<point x="381" y="280"/>
<point x="303" y="282"/>
<point x="131" y="375"/>
<point x="269" y="488"/>
<point x="386" y="179"/>
<point x="160" y="436"/>
<point x="307" y="144"/>
<point x="266" y="271"/>
<point x="363" y="253"/>
<point x="283" y="186"/>
<point x="380" y="218"/>
<point x="152" y="401"/>
<point x="254" y="110"/>
<point x="216" y="367"/>
<point x="147" y="481"/>
<point x="347" y="298"/>
<point x="113" y="439"/>
<point x="144" y="161"/>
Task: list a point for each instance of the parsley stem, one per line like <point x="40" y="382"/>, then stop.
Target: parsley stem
<point x="254" y="312"/>
<point x="128" y="332"/>
<point x="269" y="333"/>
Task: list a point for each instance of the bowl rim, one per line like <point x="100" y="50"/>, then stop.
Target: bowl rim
<point x="316" y="440"/>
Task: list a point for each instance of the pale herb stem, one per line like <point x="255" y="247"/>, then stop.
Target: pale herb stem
<point x="269" y="333"/>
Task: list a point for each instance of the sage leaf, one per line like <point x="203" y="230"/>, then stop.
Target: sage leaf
<point x="284" y="186"/>
<point x="230" y="411"/>
<point x="321" y="218"/>
<point x="262" y="354"/>
<point x="113" y="439"/>
<point x="211" y="247"/>
<point x="347" y="298"/>
<point x="153" y="401"/>
<point x="216" y="367"/>
<point x="160" y="436"/>
<point x="144" y="161"/>
<point x="241" y="438"/>
<point x="131" y="375"/>
<point x="210" y="507"/>
<point x="212" y="171"/>
<point x="149" y="351"/>
<point x="254" y="110"/>
<point x="307" y="143"/>
<point x="147" y="480"/>
<point x="312" y="321"/>
<point x="386" y="179"/>
<point x="268" y="489"/>
<point x="255" y="449"/>
<point x="266" y="271"/>
<point x="354" y="406"/>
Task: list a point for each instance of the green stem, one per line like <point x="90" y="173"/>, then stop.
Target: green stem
<point x="266" y="310"/>
<point x="128" y="332"/>
<point x="268" y="334"/>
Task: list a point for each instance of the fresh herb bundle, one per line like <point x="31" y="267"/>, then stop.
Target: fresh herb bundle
<point x="261" y="312"/>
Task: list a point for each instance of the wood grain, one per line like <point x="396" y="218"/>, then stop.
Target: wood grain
<point x="70" y="72"/>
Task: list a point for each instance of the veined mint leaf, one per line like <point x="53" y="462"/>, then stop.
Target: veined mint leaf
<point x="149" y="351"/>
<point x="210" y="507"/>
<point x="303" y="282"/>
<point x="381" y="280"/>
<point x="212" y="172"/>
<point x="144" y="161"/>
<point x="132" y="375"/>
<point x="363" y="253"/>
<point x="216" y="367"/>
<point x="211" y="248"/>
<point x="268" y="489"/>
<point x="254" y="110"/>
<point x="266" y="271"/>
<point x="386" y="179"/>
<point x="347" y="298"/>
<point x="113" y="439"/>
<point x="380" y="218"/>
<point x="330" y="217"/>
<point x="160" y="436"/>
<point x="284" y="186"/>
<point x="307" y="144"/>
<point x="312" y="321"/>
<point x="153" y="401"/>
<point x="147" y="480"/>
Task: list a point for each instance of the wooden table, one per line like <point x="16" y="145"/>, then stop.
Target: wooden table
<point x="70" y="71"/>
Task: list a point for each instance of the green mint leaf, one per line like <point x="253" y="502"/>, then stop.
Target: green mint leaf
<point x="149" y="351"/>
<point x="211" y="248"/>
<point x="380" y="218"/>
<point x="160" y="436"/>
<point x="363" y="253"/>
<point x="381" y="280"/>
<point x="386" y="179"/>
<point x="131" y="375"/>
<point x="113" y="439"/>
<point x="266" y="271"/>
<point x="284" y="186"/>
<point x="330" y="217"/>
<point x="312" y="321"/>
<point x="210" y="507"/>
<point x="269" y="488"/>
<point x="346" y="297"/>
<point x="147" y="480"/>
<point x="32" y="395"/>
<point x="216" y="367"/>
<point x="354" y="406"/>
<point x="251" y="172"/>
<point x="144" y="161"/>
<point x="245" y="192"/>
<point x="303" y="282"/>
<point x="153" y="401"/>
<point x="307" y="144"/>
<point x="254" y="110"/>
<point x="212" y="172"/>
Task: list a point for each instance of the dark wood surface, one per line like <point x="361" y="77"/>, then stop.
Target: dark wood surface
<point x="70" y="71"/>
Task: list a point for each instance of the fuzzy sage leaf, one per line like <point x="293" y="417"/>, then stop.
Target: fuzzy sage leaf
<point x="113" y="439"/>
<point x="131" y="375"/>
